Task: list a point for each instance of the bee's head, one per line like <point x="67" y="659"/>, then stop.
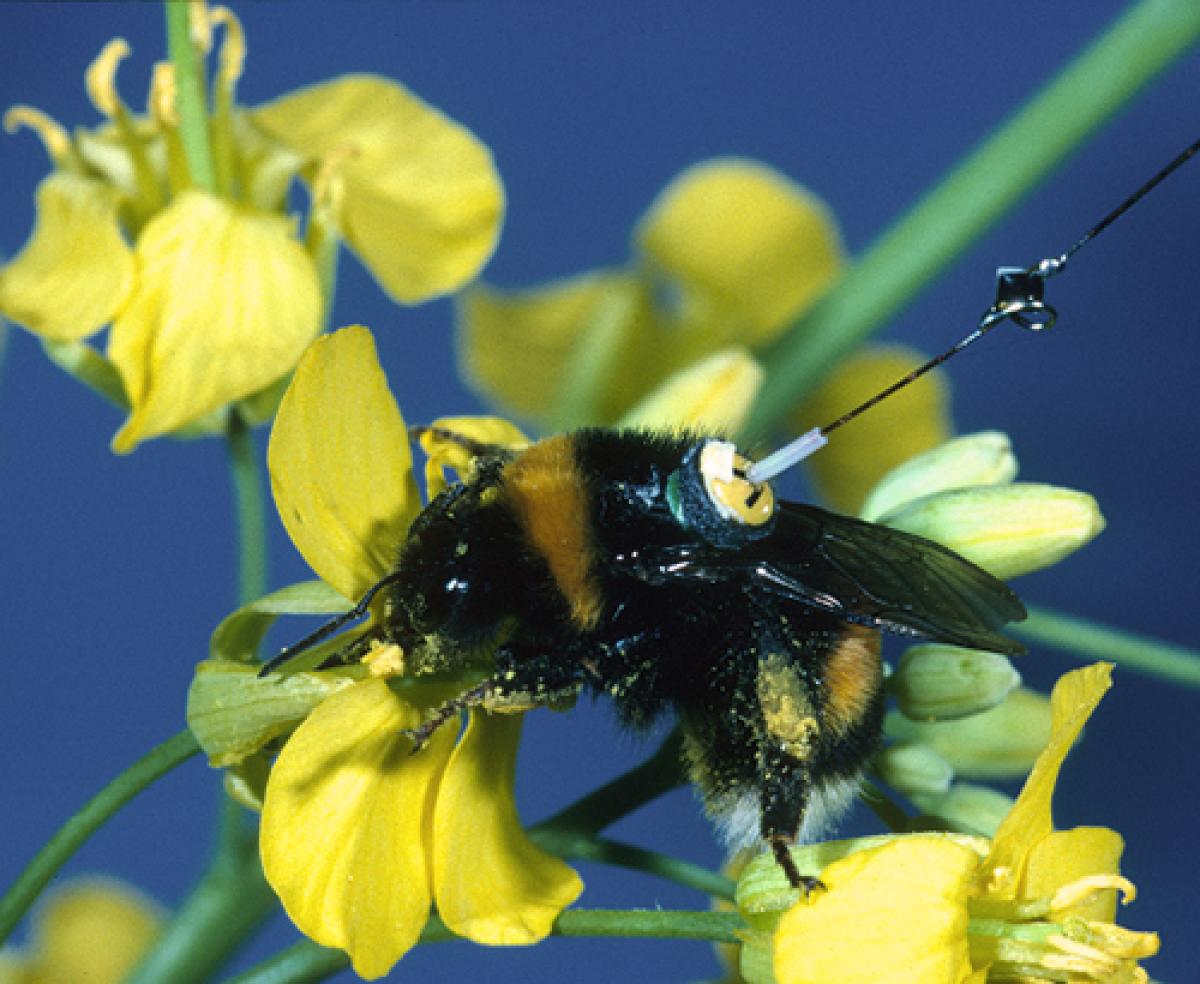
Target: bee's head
<point x="710" y="494"/>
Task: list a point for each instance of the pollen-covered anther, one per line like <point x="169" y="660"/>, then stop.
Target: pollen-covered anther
<point x="734" y="496"/>
<point x="385" y="660"/>
<point x="160" y="103"/>
<point x="100" y="79"/>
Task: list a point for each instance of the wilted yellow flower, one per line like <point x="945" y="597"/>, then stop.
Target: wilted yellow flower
<point x="727" y="256"/>
<point x="1031" y="904"/>
<point x="210" y="294"/>
<point x="94" y="930"/>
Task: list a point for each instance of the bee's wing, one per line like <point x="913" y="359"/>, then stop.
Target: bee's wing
<point x="868" y="574"/>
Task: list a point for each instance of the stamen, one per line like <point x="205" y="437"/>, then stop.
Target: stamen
<point x="100" y="79"/>
<point x="52" y="134"/>
<point x="160" y="104"/>
<point x="1082" y="889"/>
<point x="200" y="23"/>
<point x="231" y="58"/>
<point x="1080" y="957"/>
<point x="327" y="186"/>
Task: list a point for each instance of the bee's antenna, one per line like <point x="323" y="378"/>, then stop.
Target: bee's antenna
<point x="1020" y="293"/>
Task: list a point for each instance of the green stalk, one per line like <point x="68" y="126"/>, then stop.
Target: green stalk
<point x="70" y="836"/>
<point x="1002" y="169"/>
<point x="190" y="100"/>
<point x="1144" y="654"/>
<point x="306" y="963"/>
<point x="232" y="897"/>
<point x="637" y="859"/>
<point x="251" y="522"/>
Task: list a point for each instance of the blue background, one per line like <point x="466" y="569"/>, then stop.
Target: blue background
<point x="116" y="569"/>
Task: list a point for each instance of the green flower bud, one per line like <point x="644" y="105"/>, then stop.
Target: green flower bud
<point x="233" y="713"/>
<point x="1005" y="529"/>
<point x="967" y="808"/>
<point x="985" y="458"/>
<point x="912" y="769"/>
<point x="1000" y="743"/>
<point x="941" y="683"/>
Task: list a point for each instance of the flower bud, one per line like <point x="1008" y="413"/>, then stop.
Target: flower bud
<point x="914" y="769"/>
<point x="1005" y="529"/>
<point x="233" y="713"/>
<point x="967" y="808"/>
<point x="999" y="743"/>
<point x="985" y="458"/>
<point x="942" y="683"/>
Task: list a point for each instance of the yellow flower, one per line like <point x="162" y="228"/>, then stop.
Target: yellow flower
<point x="727" y="256"/>
<point x="209" y="292"/>
<point x="915" y="420"/>
<point x="360" y="837"/>
<point x="1031" y="904"/>
<point x="94" y="930"/>
<point x="348" y="813"/>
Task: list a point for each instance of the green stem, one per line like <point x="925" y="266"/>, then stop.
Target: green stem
<point x="232" y="896"/>
<point x="1006" y="166"/>
<point x="190" y="100"/>
<point x="636" y="858"/>
<point x="657" y="775"/>
<point x="251" y="523"/>
<point x="306" y="962"/>
<point x="1142" y="653"/>
<point x="71" y="836"/>
<point x="229" y="902"/>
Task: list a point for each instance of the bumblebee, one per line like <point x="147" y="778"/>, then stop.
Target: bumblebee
<point x="650" y="568"/>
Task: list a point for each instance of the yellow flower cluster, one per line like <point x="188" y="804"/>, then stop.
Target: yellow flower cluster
<point x="729" y="254"/>
<point x="209" y="292"/>
<point x="1031" y="904"/>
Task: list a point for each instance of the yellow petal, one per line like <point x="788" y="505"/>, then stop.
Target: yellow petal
<point x="911" y="422"/>
<point x="226" y="301"/>
<point x="1008" y="530"/>
<point x="1065" y="856"/>
<point x="421" y="201"/>
<point x="713" y="396"/>
<point x="345" y="825"/>
<point x="896" y="914"/>
<point x="443" y="451"/>
<point x="94" y="931"/>
<point x="492" y="884"/>
<point x="739" y="237"/>
<point x="76" y="270"/>
<point x="1075" y="696"/>
<point x="341" y="467"/>
<point x="519" y="347"/>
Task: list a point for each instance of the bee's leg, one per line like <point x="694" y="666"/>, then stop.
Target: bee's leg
<point x="474" y="448"/>
<point x="468" y="698"/>
<point x="526" y="678"/>
<point x="787" y="731"/>
<point x="784" y="797"/>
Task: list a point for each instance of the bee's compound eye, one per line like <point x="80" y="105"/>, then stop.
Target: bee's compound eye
<point x="735" y="497"/>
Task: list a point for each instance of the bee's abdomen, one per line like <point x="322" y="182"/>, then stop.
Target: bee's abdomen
<point x="549" y="499"/>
